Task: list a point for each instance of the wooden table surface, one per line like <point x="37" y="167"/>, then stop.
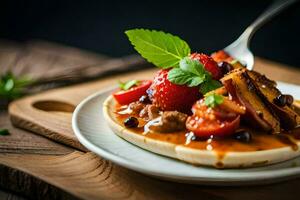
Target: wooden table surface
<point x="49" y="170"/>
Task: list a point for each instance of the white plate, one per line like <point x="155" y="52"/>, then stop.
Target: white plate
<point x="93" y="132"/>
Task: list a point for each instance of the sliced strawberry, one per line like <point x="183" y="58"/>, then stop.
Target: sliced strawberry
<point x="168" y="96"/>
<point x="209" y="64"/>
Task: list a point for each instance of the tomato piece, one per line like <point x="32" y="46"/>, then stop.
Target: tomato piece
<point x="221" y="56"/>
<point x="133" y="94"/>
<point x="205" y="129"/>
<point x="212" y="121"/>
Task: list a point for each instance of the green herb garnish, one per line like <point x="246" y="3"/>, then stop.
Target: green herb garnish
<point x="12" y="87"/>
<point x="127" y="85"/>
<point x="168" y="51"/>
<point x="192" y="73"/>
<point x="4" y="132"/>
<point x="213" y="100"/>
<point x="162" y="49"/>
<point x="209" y="85"/>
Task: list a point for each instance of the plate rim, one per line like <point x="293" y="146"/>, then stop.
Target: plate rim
<point x="243" y="176"/>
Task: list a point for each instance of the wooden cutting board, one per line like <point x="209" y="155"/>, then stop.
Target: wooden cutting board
<point x="50" y="113"/>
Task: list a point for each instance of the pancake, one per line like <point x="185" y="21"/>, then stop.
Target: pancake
<point x="265" y="150"/>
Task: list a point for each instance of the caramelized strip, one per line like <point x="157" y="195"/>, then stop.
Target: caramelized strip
<point x="266" y="89"/>
<point x="232" y="106"/>
<point x="267" y="113"/>
<point x="257" y="114"/>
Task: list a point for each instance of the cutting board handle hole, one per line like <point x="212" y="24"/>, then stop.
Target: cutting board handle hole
<point x="54" y="106"/>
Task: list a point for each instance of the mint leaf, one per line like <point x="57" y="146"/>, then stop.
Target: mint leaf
<point x="12" y="87"/>
<point x="192" y="73"/>
<point x="9" y="85"/>
<point x="127" y="85"/>
<point x="23" y="81"/>
<point x="162" y="49"/>
<point x="209" y="85"/>
<point x="180" y="77"/>
<point x="193" y="66"/>
<point x="4" y="132"/>
<point x="213" y="100"/>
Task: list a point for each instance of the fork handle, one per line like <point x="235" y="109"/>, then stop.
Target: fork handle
<point x="275" y="8"/>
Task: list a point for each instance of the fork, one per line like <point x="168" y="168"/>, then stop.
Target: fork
<point x="239" y="49"/>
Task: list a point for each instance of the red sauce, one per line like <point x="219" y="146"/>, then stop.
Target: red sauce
<point x="260" y="140"/>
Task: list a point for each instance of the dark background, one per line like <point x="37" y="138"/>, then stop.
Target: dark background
<point x="99" y="26"/>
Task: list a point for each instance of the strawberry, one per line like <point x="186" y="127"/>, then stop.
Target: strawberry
<point x="209" y="64"/>
<point x="168" y="96"/>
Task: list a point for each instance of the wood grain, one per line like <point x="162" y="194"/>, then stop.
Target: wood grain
<point x="36" y="57"/>
<point x="19" y="141"/>
<point x="64" y="65"/>
<point x="86" y="176"/>
<point x="8" y="196"/>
